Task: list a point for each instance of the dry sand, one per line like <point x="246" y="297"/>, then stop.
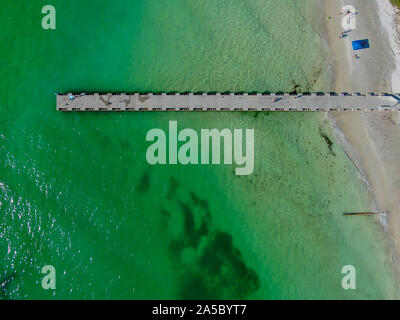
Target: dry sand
<point x="371" y="140"/>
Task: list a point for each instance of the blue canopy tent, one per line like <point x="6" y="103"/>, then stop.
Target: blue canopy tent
<point x="360" y="44"/>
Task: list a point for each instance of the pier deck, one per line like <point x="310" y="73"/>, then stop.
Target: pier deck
<point x="227" y="102"/>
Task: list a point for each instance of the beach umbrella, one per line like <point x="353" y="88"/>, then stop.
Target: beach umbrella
<point x="360" y="44"/>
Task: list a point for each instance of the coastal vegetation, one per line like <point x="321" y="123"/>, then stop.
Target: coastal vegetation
<point x="396" y="3"/>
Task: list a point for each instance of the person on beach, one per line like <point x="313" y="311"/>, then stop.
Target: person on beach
<point x="352" y="13"/>
<point x="344" y="34"/>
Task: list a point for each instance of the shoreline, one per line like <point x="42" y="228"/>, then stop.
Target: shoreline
<point x="370" y="140"/>
<point x="340" y="64"/>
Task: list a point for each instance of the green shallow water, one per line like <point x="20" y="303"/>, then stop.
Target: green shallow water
<point x="76" y="191"/>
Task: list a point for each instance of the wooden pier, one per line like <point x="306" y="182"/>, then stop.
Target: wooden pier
<point x="352" y="214"/>
<point x="228" y="102"/>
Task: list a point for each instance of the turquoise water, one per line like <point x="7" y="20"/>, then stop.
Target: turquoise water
<point x="77" y="193"/>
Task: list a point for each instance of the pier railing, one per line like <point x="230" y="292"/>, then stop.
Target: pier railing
<point x="227" y="101"/>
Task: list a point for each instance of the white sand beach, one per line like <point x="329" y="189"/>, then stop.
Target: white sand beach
<point x="371" y="140"/>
